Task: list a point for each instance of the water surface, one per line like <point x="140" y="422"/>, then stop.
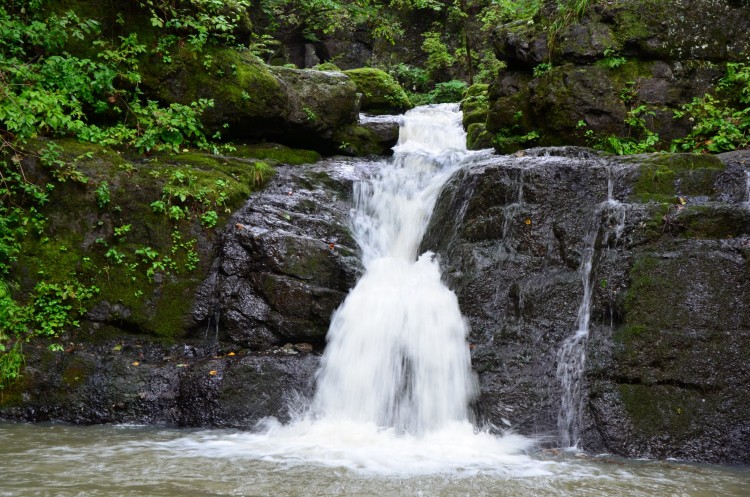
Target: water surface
<point x="113" y="461"/>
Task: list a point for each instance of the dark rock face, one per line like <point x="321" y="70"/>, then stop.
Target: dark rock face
<point x="666" y="371"/>
<point x="666" y="374"/>
<point x="670" y="52"/>
<point x="136" y="381"/>
<point x="286" y="261"/>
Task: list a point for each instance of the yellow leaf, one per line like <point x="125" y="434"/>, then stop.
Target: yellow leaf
<point x="230" y="354"/>
<point x="212" y="372"/>
<point x="135" y="363"/>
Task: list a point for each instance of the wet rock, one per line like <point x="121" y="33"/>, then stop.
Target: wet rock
<point x="666" y="374"/>
<point x="286" y="260"/>
<point x="135" y="381"/>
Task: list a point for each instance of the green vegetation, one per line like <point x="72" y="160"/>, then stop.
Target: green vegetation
<point x="720" y="120"/>
<point x="65" y="83"/>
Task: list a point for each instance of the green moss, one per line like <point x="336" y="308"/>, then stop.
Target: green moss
<point x="477" y="137"/>
<point x="381" y="93"/>
<point x="77" y="371"/>
<point x="239" y="84"/>
<point x="153" y="295"/>
<point x="656" y="410"/>
<point x="644" y="299"/>
<point x="276" y="152"/>
<point x="659" y="174"/>
<point x="358" y="141"/>
<point x="327" y="66"/>
<point x="711" y="221"/>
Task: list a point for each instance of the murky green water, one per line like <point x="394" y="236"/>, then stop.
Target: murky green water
<point x="58" y="460"/>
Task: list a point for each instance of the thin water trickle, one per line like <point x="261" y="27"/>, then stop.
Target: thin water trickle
<point x="609" y="217"/>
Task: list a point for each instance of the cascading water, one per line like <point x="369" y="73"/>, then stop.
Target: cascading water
<point x="395" y="382"/>
<point x="397" y="353"/>
<point x="571" y="358"/>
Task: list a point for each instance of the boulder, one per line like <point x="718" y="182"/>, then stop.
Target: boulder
<point x="301" y="108"/>
<point x="666" y="369"/>
<point x="566" y="79"/>
<point x="381" y="93"/>
<point x="286" y="261"/>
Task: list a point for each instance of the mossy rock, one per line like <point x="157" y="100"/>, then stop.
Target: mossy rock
<point x="301" y="108"/>
<point x="713" y="221"/>
<point x="276" y="153"/>
<point x="359" y="141"/>
<point x="245" y="93"/>
<point x="475" y="105"/>
<point x="663" y="177"/>
<point x="147" y="274"/>
<point x="381" y="93"/>
<point x="477" y="137"/>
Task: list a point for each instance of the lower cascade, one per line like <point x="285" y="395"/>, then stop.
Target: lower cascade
<point x="395" y="382"/>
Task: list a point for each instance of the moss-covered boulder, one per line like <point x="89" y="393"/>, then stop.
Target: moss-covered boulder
<point x="571" y="77"/>
<point x="381" y="94"/>
<point x="141" y="230"/>
<point x="302" y="108"/>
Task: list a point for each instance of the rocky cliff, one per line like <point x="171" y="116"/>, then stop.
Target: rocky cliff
<point x="666" y="359"/>
<point x="587" y="74"/>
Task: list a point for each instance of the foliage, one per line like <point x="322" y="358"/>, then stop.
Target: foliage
<point x="412" y="78"/>
<point x="503" y="11"/>
<point x="200" y="22"/>
<point x="438" y="55"/>
<point x="451" y="91"/>
<point x="611" y="60"/>
<point x="47" y="92"/>
<point x="512" y="138"/>
<point x="542" y="69"/>
<point x="721" y="122"/>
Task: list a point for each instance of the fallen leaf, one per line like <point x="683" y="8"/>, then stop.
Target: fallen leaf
<point x="212" y="372"/>
<point x="230" y="354"/>
<point x="135" y="363"/>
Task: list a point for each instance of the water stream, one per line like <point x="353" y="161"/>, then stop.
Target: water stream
<point x="608" y="218"/>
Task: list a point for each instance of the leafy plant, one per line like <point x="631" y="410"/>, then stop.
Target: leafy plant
<point x="541" y="69"/>
<point x="611" y="60"/>
<point x="102" y="194"/>
<point x="438" y="55"/>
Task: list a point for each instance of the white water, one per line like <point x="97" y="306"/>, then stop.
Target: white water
<point x="395" y="380"/>
<point x="571" y="358"/>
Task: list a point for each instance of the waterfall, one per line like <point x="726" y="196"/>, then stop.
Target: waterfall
<point x="609" y="217"/>
<point x="397" y="354"/>
<point x="395" y="382"/>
